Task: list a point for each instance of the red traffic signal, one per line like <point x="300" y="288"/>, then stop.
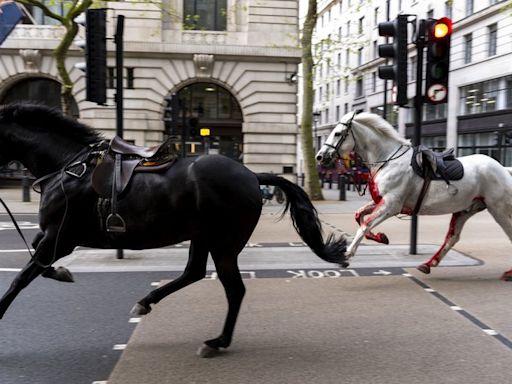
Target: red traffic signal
<point x="438" y="60"/>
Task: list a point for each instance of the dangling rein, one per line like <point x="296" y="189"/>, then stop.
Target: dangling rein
<point x="13" y="219"/>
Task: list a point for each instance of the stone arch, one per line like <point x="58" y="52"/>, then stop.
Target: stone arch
<point x="37" y="88"/>
<point x="199" y="104"/>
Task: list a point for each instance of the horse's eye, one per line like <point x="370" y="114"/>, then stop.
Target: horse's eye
<point x="337" y="133"/>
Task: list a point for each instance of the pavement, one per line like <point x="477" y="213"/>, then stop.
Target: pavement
<point x="452" y="326"/>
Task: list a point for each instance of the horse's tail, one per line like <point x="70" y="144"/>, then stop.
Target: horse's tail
<point x="305" y="220"/>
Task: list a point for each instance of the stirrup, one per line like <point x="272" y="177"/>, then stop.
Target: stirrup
<point x="115" y="223"/>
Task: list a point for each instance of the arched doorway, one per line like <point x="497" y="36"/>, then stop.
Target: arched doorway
<point x="205" y="105"/>
<point x="40" y="90"/>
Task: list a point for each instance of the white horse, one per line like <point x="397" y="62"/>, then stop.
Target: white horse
<point x="395" y="187"/>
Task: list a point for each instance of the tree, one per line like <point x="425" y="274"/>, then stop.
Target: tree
<point x="312" y="181"/>
<point x="72" y="10"/>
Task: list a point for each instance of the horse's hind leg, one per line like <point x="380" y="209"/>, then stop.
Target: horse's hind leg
<point x="229" y="275"/>
<point x="194" y="271"/>
<point x="502" y="217"/>
<point x="452" y="237"/>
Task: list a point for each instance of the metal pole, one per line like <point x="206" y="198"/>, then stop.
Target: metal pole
<point x="118" y="39"/>
<point x="418" y="105"/>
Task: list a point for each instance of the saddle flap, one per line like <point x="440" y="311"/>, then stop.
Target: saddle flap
<point x="103" y="173"/>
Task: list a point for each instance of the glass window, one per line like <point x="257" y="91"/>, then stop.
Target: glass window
<point x="469" y="7"/>
<point x="448" y="9"/>
<point x="209" y="15"/>
<point x="493" y="37"/>
<point x="38" y="17"/>
<point x="359" y="87"/>
<point x="468" y="48"/>
<point x="486" y="96"/>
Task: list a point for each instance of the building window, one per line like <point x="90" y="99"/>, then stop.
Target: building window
<point x="36" y="15"/>
<point x="359" y="87"/>
<point x="414" y="63"/>
<point x="434" y="112"/>
<point x="327" y="119"/>
<point x="208" y="15"/>
<point x="376" y="16"/>
<point x="493" y="37"/>
<point x="338" y="112"/>
<point x="347" y="58"/>
<point x="486" y="96"/>
<point x="361" y="24"/>
<point x="374" y="82"/>
<point x="345" y="108"/>
<point x="346" y="85"/>
<point x="360" y="56"/>
<point x="468" y="48"/>
<point x="448" y="9"/>
<point x="430" y="14"/>
<point x="375" y="49"/>
<point x="347" y="32"/>
<point x="469" y="7"/>
<point x="338" y="87"/>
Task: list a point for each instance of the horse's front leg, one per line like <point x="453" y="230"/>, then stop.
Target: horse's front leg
<point x="359" y="216"/>
<point x="380" y="212"/>
<point x="59" y="274"/>
<point x="44" y="255"/>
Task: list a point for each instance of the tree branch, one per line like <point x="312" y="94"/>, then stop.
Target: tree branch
<point x="47" y="11"/>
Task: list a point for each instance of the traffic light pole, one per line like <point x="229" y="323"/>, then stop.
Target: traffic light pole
<point x="118" y="40"/>
<point x="418" y="109"/>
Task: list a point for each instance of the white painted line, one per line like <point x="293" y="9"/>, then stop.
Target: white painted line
<point x="456" y="308"/>
<point x="15" y="250"/>
<point x="429" y="289"/>
<point x="100" y="382"/>
<point x="155" y="284"/>
<point x="10" y="269"/>
<point x="119" y="347"/>
<point x="135" y="320"/>
<point x="490" y="332"/>
<point x="406" y="274"/>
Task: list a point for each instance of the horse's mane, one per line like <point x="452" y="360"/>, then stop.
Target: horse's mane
<point x="50" y="120"/>
<point x="380" y="126"/>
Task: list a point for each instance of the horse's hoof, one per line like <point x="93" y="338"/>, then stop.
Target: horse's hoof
<point x="139" y="309"/>
<point x="63" y="274"/>
<point x="205" y="351"/>
<point x="424" y="268"/>
<point x="382" y="238"/>
<point x="344" y="264"/>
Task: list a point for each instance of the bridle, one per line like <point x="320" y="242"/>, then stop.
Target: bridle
<point x="344" y="135"/>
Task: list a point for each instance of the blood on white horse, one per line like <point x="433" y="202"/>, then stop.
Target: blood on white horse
<point x="395" y="188"/>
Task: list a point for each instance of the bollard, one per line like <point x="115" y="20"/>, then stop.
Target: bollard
<point x="341" y="185"/>
<point x="330" y="182"/>
<point x="25" y="185"/>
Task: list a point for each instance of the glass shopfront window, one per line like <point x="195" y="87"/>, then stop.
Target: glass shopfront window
<point x="486" y="96"/>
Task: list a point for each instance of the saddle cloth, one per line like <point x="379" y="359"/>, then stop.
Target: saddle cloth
<point x="436" y="165"/>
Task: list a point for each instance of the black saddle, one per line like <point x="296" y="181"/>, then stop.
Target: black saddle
<point x="116" y="167"/>
<point x="436" y="165"/>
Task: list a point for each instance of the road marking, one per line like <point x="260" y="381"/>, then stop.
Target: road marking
<point x="382" y="272"/>
<point x="10" y="269"/>
<point x="480" y="324"/>
<point x="100" y="382"/>
<point x="15" y="250"/>
<point x="134" y="320"/>
<point x="119" y="347"/>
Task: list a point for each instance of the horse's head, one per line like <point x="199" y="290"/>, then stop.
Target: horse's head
<point x="338" y="142"/>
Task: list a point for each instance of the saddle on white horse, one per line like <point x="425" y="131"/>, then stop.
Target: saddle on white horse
<point x="436" y="165"/>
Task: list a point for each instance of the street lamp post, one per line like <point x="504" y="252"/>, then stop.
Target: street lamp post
<point x="316" y="119"/>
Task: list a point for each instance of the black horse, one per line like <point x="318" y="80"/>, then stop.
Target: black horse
<point x="210" y="200"/>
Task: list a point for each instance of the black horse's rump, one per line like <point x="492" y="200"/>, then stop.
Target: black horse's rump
<point x="213" y="201"/>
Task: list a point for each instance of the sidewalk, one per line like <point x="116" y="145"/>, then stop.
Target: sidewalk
<point x="13" y="197"/>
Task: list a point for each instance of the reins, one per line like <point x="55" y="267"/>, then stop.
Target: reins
<point x="64" y="170"/>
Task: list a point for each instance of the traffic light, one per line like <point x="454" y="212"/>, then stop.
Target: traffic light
<point x="171" y="113"/>
<point x="95" y="46"/>
<point x="439" y="33"/>
<point x="397" y="50"/>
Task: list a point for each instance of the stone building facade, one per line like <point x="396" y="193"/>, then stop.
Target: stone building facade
<point x="232" y="64"/>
